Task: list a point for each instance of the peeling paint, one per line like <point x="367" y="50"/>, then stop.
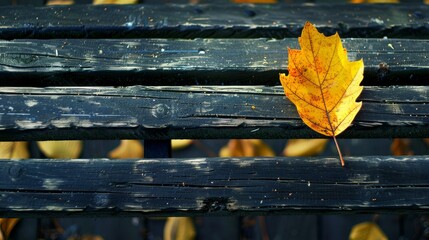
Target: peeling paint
<point x="362" y="178"/>
<point x="52" y="183"/>
<point x="147" y="161"/>
<point x="65" y="109"/>
<point x="196" y="163"/>
<point x="148" y="179"/>
<point x="28" y="124"/>
<point x="395" y="108"/>
<point x="244" y="163"/>
<point x="31" y="103"/>
<point x="71" y="121"/>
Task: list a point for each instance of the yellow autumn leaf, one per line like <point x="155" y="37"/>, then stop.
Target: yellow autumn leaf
<point x="246" y="148"/>
<point x="304" y="147"/>
<point x="14" y="150"/>
<point x="367" y="231"/>
<point x="322" y="83"/>
<point x="177" y="144"/>
<point x="128" y="149"/>
<point x="179" y="228"/>
<point x="61" y="149"/>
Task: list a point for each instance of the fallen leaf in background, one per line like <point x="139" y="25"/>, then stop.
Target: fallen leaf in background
<point x="177" y="144"/>
<point x="128" y="149"/>
<point x="367" y="231"/>
<point x="60" y="2"/>
<point x="98" y="2"/>
<point x="61" y="149"/>
<point x="426" y="140"/>
<point x="401" y="147"/>
<point x="249" y="148"/>
<point x="246" y="148"/>
<point x="6" y="227"/>
<point x="304" y="147"/>
<point x="14" y="150"/>
<point x="179" y="228"/>
<point x="322" y="83"/>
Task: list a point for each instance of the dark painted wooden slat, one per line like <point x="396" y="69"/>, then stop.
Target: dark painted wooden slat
<point x="195" y="112"/>
<point x="193" y="62"/>
<point x="213" y="21"/>
<point x="213" y="186"/>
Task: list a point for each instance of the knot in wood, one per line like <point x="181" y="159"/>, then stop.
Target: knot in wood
<point x="198" y="10"/>
<point x="383" y="71"/>
<point x="15" y="171"/>
<point x="249" y="13"/>
<point x="161" y="111"/>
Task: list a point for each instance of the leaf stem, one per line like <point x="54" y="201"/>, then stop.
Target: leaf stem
<point x="339" y="151"/>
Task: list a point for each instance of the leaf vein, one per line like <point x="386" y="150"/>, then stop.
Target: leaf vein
<point x="302" y="74"/>
<point x="303" y="99"/>
<point x="342" y="95"/>
<point x="341" y="122"/>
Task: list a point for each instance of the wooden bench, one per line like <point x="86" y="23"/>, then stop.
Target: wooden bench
<point x="161" y="72"/>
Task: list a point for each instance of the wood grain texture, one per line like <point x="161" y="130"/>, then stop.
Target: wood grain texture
<point x="213" y="186"/>
<point x="172" y="112"/>
<point x="213" y="21"/>
<point x="193" y="62"/>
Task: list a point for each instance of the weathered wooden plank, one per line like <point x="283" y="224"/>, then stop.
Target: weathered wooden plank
<point x="193" y="62"/>
<point x="195" y="112"/>
<point x="213" y="21"/>
<point x="213" y="186"/>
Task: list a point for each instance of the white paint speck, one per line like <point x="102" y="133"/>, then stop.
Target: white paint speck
<point x="308" y="183"/>
<point x="254" y="130"/>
